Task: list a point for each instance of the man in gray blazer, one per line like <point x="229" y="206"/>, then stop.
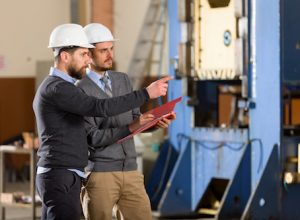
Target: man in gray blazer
<point x="114" y="178"/>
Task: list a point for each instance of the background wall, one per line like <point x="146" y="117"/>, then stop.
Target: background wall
<point x="128" y="20"/>
<point x="102" y="11"/>
<point x="25" y="29"/>
<point x="26" y="26"/>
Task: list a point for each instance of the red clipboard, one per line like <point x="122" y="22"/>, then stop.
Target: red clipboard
<point x="163" y="111"/>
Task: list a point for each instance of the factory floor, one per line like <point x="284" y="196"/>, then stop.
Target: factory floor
<point x="25" y="214"/>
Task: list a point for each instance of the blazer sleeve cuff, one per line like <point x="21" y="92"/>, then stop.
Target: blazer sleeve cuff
<point x="146" y="94"/>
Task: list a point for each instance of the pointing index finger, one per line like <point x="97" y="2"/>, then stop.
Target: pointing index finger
<point x="165" y="79"/>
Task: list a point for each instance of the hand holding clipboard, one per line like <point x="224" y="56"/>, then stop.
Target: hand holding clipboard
<point x="163" y="111"/>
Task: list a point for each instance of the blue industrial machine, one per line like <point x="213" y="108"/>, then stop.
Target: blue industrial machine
<point x="233" y="150"/>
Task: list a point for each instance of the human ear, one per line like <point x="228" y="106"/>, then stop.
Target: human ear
<point x="64" y="56"/>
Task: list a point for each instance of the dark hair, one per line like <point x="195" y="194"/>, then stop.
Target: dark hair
<point x="70" y="49"/>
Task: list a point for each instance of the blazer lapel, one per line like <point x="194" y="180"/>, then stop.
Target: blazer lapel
<point x="96" y="89"/>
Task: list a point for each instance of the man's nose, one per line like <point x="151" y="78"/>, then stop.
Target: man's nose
<point x="110" y="54"/>
<point x="88" y="60"/>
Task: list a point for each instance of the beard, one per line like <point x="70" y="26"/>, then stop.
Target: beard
<point x="104" y="67"/>
<point x="76" y="74"/>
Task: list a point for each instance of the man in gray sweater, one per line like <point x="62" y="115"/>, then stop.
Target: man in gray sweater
<point x="113" y="177"/>
<point x="59" y="107"/>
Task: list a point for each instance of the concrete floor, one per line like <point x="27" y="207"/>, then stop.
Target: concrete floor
<point x="20" y="213"/>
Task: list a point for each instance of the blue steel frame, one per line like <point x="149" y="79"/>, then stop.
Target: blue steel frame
<point x="264" y="202"/>
<point x="265" y="118"/>
<point x="238" y="191"/>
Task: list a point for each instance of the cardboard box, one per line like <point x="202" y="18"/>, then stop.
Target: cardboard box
<point x="10" y="198"/>
<point x="7" y="198"/>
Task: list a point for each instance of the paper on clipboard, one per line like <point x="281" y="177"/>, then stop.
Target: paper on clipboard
<point x="163" y="111"/>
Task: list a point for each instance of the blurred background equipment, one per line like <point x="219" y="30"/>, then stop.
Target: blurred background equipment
<point x="233" y="150"/>
<point x="149" y="55"/>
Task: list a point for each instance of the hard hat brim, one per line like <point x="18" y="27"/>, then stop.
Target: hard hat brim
<point x="88" y="46"/>
<point x="95" y="42"/>
<point x="82" y="45"/>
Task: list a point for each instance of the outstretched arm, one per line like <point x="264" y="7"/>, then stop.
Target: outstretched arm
<point x="72" y="99"/>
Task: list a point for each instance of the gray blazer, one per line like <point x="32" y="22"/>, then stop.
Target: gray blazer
<point x="103" y="132"/>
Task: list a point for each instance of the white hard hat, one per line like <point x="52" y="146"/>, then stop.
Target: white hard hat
<point x="97" y="33"/>
<point x="68" y="35"/>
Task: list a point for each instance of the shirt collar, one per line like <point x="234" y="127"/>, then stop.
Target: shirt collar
<point x="56" y="72"/>
<point x="95" y="76"/>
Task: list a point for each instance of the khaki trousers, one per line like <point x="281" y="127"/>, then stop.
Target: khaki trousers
<point x="105" y="189"/>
